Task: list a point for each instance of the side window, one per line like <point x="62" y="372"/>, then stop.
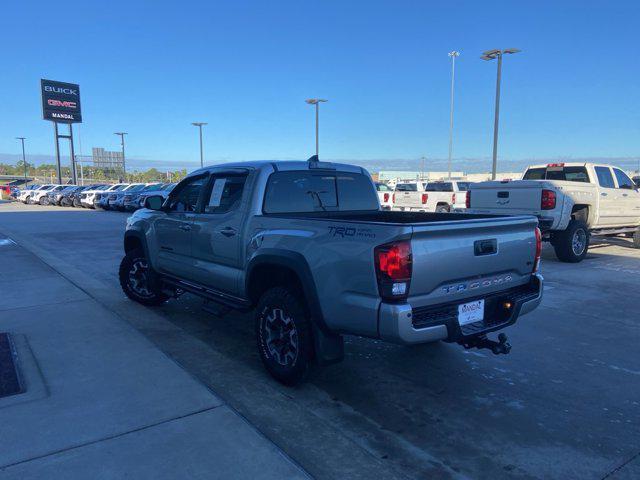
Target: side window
<point x="623" y="180"/>
<point x="535" y="174"/>
<point x="185" y="198"/>
<point x="225" y="194"/>
<point x="605" y="179"/>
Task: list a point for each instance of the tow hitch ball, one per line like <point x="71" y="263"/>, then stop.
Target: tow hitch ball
<point x="501" y="346"/>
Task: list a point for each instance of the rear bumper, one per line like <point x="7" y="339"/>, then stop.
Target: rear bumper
<point x="400" y="323"/>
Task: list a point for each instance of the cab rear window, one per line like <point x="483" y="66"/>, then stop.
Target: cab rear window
<point x="306" y="191"/>
<point x="568" y="174"/>
<point x="439" y="187"/>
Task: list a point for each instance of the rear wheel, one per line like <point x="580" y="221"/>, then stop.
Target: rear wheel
<point x="138" y="280"/>
<point x="572" y="244"/>
<point x="443" y="208"/>
<point x="283" y="331"/>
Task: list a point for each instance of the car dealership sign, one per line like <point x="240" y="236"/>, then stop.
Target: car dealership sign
<point x="60" y="101"/>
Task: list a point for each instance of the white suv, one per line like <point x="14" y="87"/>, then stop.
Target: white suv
<point x="34" y="196"/>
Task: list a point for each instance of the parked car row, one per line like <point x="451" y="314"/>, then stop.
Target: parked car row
<point x="440" y="196"/>
<point x="121" y="196"/>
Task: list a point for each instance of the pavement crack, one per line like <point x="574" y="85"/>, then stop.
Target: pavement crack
<point x="620" y="467"/>
<point x="110" y="437"/>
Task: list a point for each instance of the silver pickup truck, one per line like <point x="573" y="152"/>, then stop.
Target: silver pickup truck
<point x="306" y="246"/>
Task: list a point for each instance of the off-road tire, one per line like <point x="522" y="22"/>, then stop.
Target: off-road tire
<point x="636" y="238"/>
<point x="132" y="259"/>
<point x="282" y="305"/>
<point x="572" y="244"/>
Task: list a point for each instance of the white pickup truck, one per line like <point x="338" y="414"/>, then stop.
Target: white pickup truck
<point x="385" y="195"/>
<point x="441" y="196"/>
<point x="571" y="200"/>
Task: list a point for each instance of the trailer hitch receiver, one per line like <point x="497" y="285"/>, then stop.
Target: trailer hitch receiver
<point x="502" y="346"/>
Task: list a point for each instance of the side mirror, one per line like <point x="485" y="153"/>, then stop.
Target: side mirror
<point x="154" y="202"/>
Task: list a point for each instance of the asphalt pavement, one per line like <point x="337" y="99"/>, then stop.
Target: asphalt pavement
<point x="564" y="404"/>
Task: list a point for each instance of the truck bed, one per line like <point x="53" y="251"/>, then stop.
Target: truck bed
<point x="388" y="217"/>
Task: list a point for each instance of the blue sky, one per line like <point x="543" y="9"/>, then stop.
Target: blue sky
<point x="151" y="68"/>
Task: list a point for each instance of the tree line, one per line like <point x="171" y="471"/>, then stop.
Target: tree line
<point x="93" y="173"/>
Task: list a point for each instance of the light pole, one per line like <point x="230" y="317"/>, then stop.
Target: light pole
<point x="453" y="56"/>
<point x="199" y="125"/>
<point x="316" y="102"/>
<point x="491" y="55"/>
<point x="124" y="168"/>
<point x="24" y="159"/>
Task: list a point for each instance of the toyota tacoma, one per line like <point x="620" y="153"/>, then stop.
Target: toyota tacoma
<point x="307" y="248"/>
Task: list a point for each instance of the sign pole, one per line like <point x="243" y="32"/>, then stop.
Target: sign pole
<point x="55" y="129"/>
<point x="74" y="174"/>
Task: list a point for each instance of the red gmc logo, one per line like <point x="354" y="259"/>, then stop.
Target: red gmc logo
<point x="59" y="103"/>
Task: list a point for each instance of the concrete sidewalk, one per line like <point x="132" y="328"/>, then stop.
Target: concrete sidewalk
<point x="102" y="401"/>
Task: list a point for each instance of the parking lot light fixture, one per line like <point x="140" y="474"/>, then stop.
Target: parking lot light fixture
<point x="24" y="159"/>
<point x="199" y="125"/>
<point x="453" y="56"/>
<point x="492" y="55"/>
<point x="316" y="102"/>
<point x="124" y="168"/>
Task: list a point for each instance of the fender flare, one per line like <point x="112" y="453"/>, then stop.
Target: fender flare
<point x="296" y="262"/>
<point x="140" y="238"/>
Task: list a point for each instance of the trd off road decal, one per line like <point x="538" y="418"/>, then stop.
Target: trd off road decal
<point x="346" y="232"/>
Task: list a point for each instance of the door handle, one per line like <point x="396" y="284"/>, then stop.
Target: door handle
<point x="625" y="194"/>
<point x="228" y="232"/>
<point x="184" y="228"/>
<point x="603" y="194"/>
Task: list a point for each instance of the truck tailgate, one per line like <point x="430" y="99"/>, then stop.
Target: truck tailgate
<point x="507" y="196"/>
<point x="408" y="199"/>
<point x="470" y="258"/>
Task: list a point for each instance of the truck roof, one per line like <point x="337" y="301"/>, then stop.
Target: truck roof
<point x="284" y="165"/>
<point x="569" y="164"/>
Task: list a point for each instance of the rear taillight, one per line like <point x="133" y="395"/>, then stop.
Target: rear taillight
<point x="425" y="197"/>
<point x="467" y="201"/>
<point x="393" y="269"/>
<point x="536" y="261"/>
<point x="548" y="201"/>
<point x="386" y="197"/>
<point x="453" y="198"/>
<point x="393" y="198"/>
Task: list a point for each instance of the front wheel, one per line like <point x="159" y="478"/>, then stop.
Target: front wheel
<point x="139" y="281"/>
<point x="283" y="331"/>
<point x="572" y="244"/>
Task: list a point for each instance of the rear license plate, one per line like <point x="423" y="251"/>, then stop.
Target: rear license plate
<point x="470" y="312"/>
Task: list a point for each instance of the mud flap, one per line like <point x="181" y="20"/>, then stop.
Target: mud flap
<point x="329" y="348"/>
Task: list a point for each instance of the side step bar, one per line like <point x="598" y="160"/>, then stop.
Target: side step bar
<point x="613" y="231"/>
<point x="209" y="294"/>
